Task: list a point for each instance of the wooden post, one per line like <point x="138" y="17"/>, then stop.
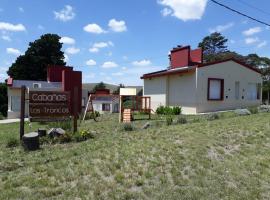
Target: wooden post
<point x="120" y="110"/>
<point x="75" y="109"/>
<point x="23" y="89"/>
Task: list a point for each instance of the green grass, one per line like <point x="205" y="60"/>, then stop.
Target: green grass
<point x="226" y="158"/>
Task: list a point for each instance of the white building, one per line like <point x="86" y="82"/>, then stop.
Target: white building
<point x="203" y="87"/>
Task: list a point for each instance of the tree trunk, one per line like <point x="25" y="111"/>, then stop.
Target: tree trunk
<point x="31" y="141"/>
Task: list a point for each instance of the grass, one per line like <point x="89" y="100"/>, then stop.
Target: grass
<point x="227" y="158"/>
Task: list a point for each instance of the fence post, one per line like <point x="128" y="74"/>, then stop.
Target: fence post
<point x="75" y="109"/>
<point x="23" y="89"/>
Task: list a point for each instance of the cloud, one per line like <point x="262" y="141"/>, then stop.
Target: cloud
<point x="91" y="62"/>
<point x="252" y="31"/>
<point x="118" y="74"/>
<point x="72" y="50"/>
<point x="117" y="26"/>
<point x="4" y="26"/>
<point x="99" y="45"/>
<point x="221" y="28"/>
<point x="21" y="9"/>
<point x="183" y="9"/>
<point x="67" y="40"/>
<point x="13" y="51"/>
<point x="6" y="38"/>
<point x="109" y="64"/>
<point x="93" y="28"/>
<point x="141" y="63"/>
<point x="65" y="14"/>
<point x="262" y="44"/>
<point x="66" y="58"/>
<point x="251" y="40"/>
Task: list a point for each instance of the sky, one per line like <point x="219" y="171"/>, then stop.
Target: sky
<point x="117" y="41"/>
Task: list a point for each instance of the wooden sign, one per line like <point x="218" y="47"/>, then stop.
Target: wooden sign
<point x="44" y="105"/>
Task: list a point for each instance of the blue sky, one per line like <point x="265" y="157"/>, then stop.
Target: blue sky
<point x="116" y="41"/>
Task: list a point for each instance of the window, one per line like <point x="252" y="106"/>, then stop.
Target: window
<point x="105" y="107"/>
<point x="36" y="85"/>
<point x="237" y="89"/>
<point x="252" y="91"/>
<point x="215" y="89"/>
<point x="15" y="103"/>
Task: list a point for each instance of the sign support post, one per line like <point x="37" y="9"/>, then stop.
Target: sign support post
<point x="75" y="110"/>
<point x="23" y="89"/>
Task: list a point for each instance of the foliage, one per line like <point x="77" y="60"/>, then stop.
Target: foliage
<point x="65" y="125"/>
<point x="117" y="91"/>
<point x="92" y="115"/>
<point x="167" y="110"/>
<point x="40" y="53"/>
<point x="212" y="116"/>
<point x="12" y="142"/>
<point x="65" y="138"/>
<point x="99" y="86"/>
<point x="181" y="120"/>
<point x="127" y="127"/>
<point x="83" y="135"/>
<point x="169" y="120"/>
<point x="1" y="116"/>
<point x="3" y="99"/>
<point x="253" y="109"/>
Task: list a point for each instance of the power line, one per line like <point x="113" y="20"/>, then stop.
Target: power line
<point x="240" y="13"/>
<point x="251" y="6"/>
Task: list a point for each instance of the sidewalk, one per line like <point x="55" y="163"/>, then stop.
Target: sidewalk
<point x="8" y="121"/>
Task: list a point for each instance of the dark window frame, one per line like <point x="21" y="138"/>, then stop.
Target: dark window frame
<point x="221" y="89"/>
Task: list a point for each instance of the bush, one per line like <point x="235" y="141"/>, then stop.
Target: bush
<point x="167" y="110"/>
<point x="66" y="138"/>
<point x="253" y="110"/>
<point x="92" y="115"/>
<point x="212" y="117"/>
<point x="181" y="120"/>
<point x="128" y="127"/>
<point x="83" y="135"/>
<point x="1" y="116"/>
<point x="12" y="142"/>
<point x="169" y="120"/>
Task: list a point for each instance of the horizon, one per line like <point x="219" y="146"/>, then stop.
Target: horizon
<point x="116" y="44"/>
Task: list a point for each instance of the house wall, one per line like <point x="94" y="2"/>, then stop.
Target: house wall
<point x="182" y="92"/>
<point x="230" y="72"/>
<point x="156" y="88"/>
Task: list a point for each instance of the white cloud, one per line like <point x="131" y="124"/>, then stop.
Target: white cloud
<point x="252" y="31"/>
<point x="3" y="77"/>
<point x="21" y="9"/>
<point x="99" y="45"/>
<point x="6" y="38"/>
<point x="109" y="64"/>
<point x="141" y="63"/>
<point x="118" y="74"/>
<point x="3" y="69"/>
<point x="184" y="9"/>
<point x="67" y="40"/>
<point x="117" y="26"/>
<point x="4" y="26"/>
<point x="66" y="58"/>
<point x="13" y="51"/>
<point x="93" y="28"/>
<point x="72" y="50"/>
<point x="262" y="44"/>
<point x="251" y="40"/>
<point x="221" y="28"/>
<point x="91" y="62"/>
<point x="65" y="14"/>
<point x="166" y="11"/>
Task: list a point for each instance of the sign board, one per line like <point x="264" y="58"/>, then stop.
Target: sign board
<point x="128" y="92"/>
<point x="45" y="105"/>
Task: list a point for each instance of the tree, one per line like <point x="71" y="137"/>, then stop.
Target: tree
<point x="214" y="44"/>
<point x="40" y="53"/>
<point x="117" y="91"/>
<point x="99" y="86"/>
<point x="3" y="99"/>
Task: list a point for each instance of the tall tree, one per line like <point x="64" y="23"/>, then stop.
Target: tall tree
<point x="33" y="64"/>
<point x="99" y="86"/>
<point x="117" y="91"/>
<point x="214" y="44"/>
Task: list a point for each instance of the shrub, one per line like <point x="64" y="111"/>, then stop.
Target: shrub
<point x="167" y="110"/>
<point x="12" y="142"/>
<point x="65" y="138"/>
<point x="128" y="127"/>
<point x="83" y="135"/>
<point x="176" y="110"/>
<point x="92" y="115"/>
<point x="253" y="110"/>
<point x="212" y="117"/>
<point x="160" y="110"/>
<point x="181" y="120"/>
<point x="169" y="120"/>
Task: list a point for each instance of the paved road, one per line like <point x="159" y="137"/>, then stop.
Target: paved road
<point x="8" y="121"/>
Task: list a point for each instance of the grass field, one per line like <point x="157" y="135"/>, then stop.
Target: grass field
<point x="228" y="158"/>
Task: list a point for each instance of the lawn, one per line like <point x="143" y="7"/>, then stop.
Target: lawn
<point x="227" y="158"/>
